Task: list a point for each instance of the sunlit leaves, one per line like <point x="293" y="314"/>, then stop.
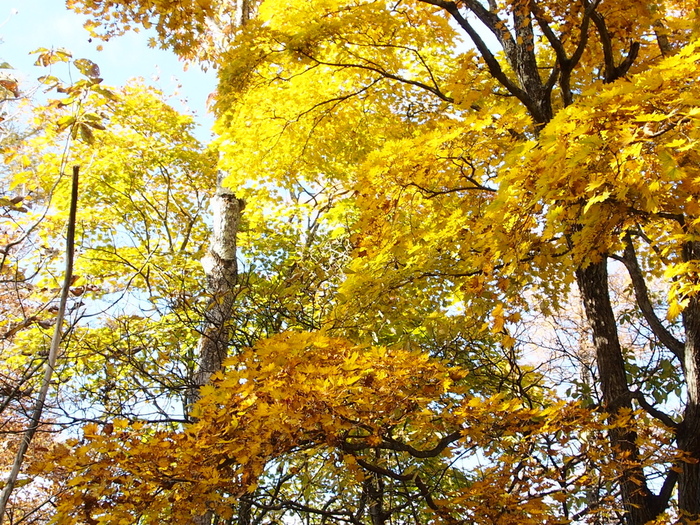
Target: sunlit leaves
<point x="617" y="159"/>
<point x="184" y="26"/>
<point x="87" y="67"/>
<point x="306" y="391"/>
<point x="407" y="200"/>
<point x="145" y="182"/>
<point x="48" y="57"/>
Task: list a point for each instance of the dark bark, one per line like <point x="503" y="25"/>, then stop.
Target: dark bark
<point x="641" y="293"/>
<point x="519" y="49"/>
<point x="528" y="86"/>
<point x="637" y="499"/>
<point x="374" y="491"/>
<point x="245" y="512"/>
<point x="689" y="432"/>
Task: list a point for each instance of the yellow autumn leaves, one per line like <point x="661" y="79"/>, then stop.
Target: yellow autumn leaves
<point x="302" y="392"/>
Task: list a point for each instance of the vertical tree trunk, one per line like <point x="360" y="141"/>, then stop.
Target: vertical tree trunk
<point x="689" y="432"/>
<point x="221" y="270"/>
<point x="222" y="274"/>
<point x="56" y="341"/>
<point x="243" y="12"/>
<point x="592" y="282"/>
<point x="245" y="512"/>
<point x="374" y="491"/>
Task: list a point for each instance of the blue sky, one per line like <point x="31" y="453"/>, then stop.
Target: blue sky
<point x="26" y="25"/>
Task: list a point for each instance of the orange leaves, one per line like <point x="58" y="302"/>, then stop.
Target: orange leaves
<point x="302" y="392"/>
<point x="189" y="28"/>
<point x="292" y="389"/>
<point x="324" y="382"/>
<point x="9" y="87"/>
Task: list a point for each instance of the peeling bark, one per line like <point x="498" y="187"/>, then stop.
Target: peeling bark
<point x="221" y="269"/>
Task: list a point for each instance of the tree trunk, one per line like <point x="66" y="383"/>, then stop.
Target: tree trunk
<point x="245" y="512"/>
<point x="689" y="432"/>
<point x="243" y="12"/>
<point x="592" y="282"/>
<point x="221" y="270"/>
<point x="373" y="487"/>
<point x="50" y="365"/>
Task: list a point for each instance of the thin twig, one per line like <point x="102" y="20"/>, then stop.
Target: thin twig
<point x="53" y="352"/>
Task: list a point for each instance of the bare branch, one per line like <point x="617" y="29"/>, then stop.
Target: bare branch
<point x="653" y="411"/>
<point x="641" y="292"/>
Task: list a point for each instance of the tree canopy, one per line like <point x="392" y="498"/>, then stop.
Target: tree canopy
<point x="450" y="274"/>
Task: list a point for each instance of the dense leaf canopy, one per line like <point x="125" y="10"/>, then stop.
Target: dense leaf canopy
<point x="467" y="281"/>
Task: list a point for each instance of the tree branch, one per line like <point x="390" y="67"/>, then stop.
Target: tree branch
<point x="667" y="488"/>
<point x="392" y="444"/>
<point x="384" y="74"/>
<point x="612" y="72"/>
<point x="653" y="411"/>
<point x="566" y="64"/>
<point x="484" y="51"/>
<point x="415" y="478"/>
<point x="53" y="351"/>
<point x="629" y="259"/>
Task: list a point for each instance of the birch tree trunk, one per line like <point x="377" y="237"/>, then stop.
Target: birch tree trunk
<point x="221" y="271"/>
